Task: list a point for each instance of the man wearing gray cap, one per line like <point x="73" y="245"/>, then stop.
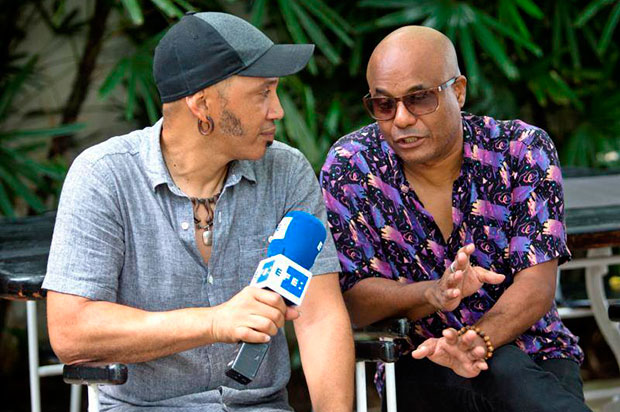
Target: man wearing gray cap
<point x="159" y="231"/>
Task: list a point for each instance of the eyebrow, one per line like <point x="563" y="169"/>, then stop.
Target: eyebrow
<point x="412" y="89"/>
<point x="268" y="82"/>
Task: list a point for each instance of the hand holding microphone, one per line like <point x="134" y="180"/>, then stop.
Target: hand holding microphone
<point x="297" y="241"/>
<point x="252" y="315"/>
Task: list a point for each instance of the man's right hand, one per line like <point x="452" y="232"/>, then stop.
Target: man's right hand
<point x="447" y="292"/>
<point x="252" y="315"/>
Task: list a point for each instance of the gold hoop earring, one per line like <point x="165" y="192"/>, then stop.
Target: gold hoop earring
<point x="206" y="128"/>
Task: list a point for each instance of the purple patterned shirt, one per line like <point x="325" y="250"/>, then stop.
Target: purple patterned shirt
<point x="507" y="200"/>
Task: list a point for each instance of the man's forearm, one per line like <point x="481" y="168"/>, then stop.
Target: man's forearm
<point x="328" y="359"/>
<point x="326" y="346"/>
<point x="523" y="303"/>
<point x="82" y="330"/>
<point x="94" y="331"/>
<point x="374" y="299"/>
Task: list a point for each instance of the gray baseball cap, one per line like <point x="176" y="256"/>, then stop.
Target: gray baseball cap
<point x="205" y="48"/>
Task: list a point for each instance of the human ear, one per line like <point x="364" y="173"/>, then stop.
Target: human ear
<point x="197" y="103"/>
<point x="460" y="89"/>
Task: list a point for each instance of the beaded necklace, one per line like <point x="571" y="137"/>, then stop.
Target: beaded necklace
<point x="209" y="205"/>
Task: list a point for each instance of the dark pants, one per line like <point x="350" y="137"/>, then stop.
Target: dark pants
<point x="513" y="383"/>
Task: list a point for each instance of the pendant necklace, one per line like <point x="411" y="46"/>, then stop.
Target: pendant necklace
<point x="207" y="227"/>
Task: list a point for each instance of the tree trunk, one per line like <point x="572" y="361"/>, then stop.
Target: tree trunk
<point x="81" y="84"/>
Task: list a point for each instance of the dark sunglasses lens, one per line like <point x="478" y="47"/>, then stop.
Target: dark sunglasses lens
<point x="381" y="107"/>
<point x="422" y="102"/>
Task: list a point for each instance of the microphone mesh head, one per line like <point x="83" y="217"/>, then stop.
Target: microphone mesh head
<point x="300" y="237"/>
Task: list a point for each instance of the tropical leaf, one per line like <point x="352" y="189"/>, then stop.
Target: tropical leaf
<point x="530" y="8"/>
<point x="6" y="207"/>
<point x="186" y="5"/>
<point x="355" y="61"/>
<point x="20" y="174"/>
<point x="134" y="10"/>
<point x="386" y="4"/>
<point x="331" y="20"/>
<point x="591" y="9"/>
<point x="134" y="73"/>
<point x="609" y="29"/>
<point x="495" y="50"/>
<point x="316" y="34"/>
<point x="295" y="30"/>
<point x="168" y="8"/>
<point x="509" y="33"/>
<point x="571" y="37"/>
<point x="39" y="133"/>
<point x="11" y="87"/>
<point x="469" y="58"/>
<point x="258" y="11"/>
<point x="403" y="17"/>
<point x="20" y="189"/>
<point x="298" y="131"/>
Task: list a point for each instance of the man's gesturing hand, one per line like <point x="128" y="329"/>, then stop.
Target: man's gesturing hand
<point x="475" y="276"/>
<point x="464" y="355"/>
<point x="459" y="281"/>
<point x="446" y="293"/>
<point x="252" y="315"/>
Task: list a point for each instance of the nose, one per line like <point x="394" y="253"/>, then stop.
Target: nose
<point x="276" y="112"/>
<point x="403" y="118"/>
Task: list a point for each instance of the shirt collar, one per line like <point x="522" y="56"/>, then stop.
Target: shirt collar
<point x="469" y="138"/>
<point x="156" y="169"/>
<point x="239" y="169"/>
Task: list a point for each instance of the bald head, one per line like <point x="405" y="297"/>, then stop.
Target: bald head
<point x="422" y="51"/>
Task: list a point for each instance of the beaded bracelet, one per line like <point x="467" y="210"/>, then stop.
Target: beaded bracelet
<point x="487" y="340"/>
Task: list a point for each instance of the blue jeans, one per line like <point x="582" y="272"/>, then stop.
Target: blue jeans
<point x="513" y="383"/>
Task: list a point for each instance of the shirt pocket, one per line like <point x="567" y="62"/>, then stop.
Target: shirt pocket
<point x="252" y="249"/>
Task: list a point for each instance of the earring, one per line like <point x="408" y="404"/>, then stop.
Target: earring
<point x="206" y="128"/>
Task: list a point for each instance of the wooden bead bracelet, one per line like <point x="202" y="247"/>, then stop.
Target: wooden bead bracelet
<point x="487" y="340"/>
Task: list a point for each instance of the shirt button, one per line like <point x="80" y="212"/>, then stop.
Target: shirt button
<point x="184" y="225"/>
<point x="210" y="279"/>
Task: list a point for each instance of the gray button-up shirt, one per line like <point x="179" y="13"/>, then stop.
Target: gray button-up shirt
<point x="124" y="233"/>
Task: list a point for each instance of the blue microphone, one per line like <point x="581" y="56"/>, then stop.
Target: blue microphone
<point x="299" y="237"/>
<point x="292" y="250"/>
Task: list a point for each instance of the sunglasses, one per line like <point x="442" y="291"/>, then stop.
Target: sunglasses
<point x="417" y="103"/>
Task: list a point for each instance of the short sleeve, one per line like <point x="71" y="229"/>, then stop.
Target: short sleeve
<point x="537" y="209"/>
<point x="87" y="250"/>
<point x="350" y="219"/>
<point x="304" y="193"/>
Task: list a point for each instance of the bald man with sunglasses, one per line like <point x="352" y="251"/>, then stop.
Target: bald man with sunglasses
<point x="455" y="221"/>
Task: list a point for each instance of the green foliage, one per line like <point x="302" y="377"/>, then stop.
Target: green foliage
<point x="551" y="63"/>
<point x="308" y="21"/>
<point x="20" y="173"/>
<point x="472" y="29"/>
<point x="135" y="72"/>
<point x="167" y="7"/>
